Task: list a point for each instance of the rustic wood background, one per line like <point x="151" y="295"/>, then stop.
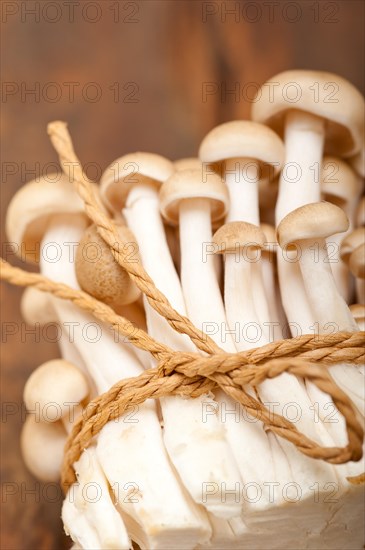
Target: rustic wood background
<point x="159" y="56"/>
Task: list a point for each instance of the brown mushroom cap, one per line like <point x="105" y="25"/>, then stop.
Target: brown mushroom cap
<point x="130" y="170"/>
<point x="42" y="445"/>
<point x="244" y="139"/>
<point x="58" y="383"/>
<point x="350" y="242"/>
<point x="343" y="110"/>
<point x="32" y="207"/>
<point x="357" y="262"/>
<point x="311" y="221"/>
<point x="99" y="274"/>
<point x="190" y="163"/>
<point x="339" y="183"/>
<point x="233" y="236"/>
<point x="189" y="184"/>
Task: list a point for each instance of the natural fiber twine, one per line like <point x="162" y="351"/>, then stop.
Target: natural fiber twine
<point x="193" y="374"/>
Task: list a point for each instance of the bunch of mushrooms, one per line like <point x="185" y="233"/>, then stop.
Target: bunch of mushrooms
<point x="178" y="473"/>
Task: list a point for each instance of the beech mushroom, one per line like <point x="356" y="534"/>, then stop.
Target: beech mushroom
<point x="307" y="228"/>
<point x="349" y="244"/>
<point x="59" y="386"/>
<point x="341" y="186"/>
<point x="98" y="273"/>
<point x="358" y="312"/>
<point x="249" y="152"/>
<point x="59" y="229"/>
<point x="310" y="126"/>
<point x="188" y="439"/>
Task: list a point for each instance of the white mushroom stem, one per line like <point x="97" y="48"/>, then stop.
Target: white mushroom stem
<point x="298" y="185"/>
<point x="93" y="499"/>
<point x="108" y="362"/>
<point x="304" y="141"/>
<point x="242" y="177"/>
<point x="276" y="312"/>
<point x="327" y="304"/>
<point x="331" y="312"/>
<point x="188" y="439"/>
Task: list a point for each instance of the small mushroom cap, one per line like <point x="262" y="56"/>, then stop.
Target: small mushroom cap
<point x="55" y="386"/>
<point x="32" y="207"/>
<point x="36" y="307"/>
<point x="317" y="220"/>
<point x="42" y="445"/>
<point x="130" y="170"/>
<point x="189" y="184"/>
<point x="350" y="242"/>
<point x="244" y="139"/>
<point x="358" y="311"/>
<point x="339" y="102"/>
<point x="237" y="235"/>
<point x="270" y="236"/>
<point x="357" y="262"/>
<point x="99" y="274"/>
<point x="339" y="183"/>
<point x="190" y="163"/>
<point x="360" y="213"/>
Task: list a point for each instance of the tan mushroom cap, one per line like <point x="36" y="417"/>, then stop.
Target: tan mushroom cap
<point x="36" y="307"/>
<point x="233" y="236"/>
<point x="244" y="139"/>
<point x="56" y="384"/>
<point x="360" y="213"/>
<point x="339" y="182"/>
<point x="42" y="445"/>
<point x="190" y="163"/>
<point x="32" y="207"/>
<point x="350" y="242"/>
<point x="339" y="102"/>
<point x="99" y="274"/>
<point x="311" y="221"/>
<point x="189" y="184"/>
<point x="130" y="170"/>
<point x="357" y="262"/>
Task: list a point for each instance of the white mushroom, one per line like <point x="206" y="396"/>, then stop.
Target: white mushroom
<point x="248" y="153"/>
<point x="310" y="126"/>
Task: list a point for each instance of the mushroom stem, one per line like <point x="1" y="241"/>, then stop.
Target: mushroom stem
<point x="330" y="309"/>
<point x="299" y="181"/>
<point x="241" y="176"/>
<point x="188" y="439"/>
<point x="108" y="362"/>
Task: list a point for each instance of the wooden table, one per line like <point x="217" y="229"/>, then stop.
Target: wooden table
<point x="147" y="75"/>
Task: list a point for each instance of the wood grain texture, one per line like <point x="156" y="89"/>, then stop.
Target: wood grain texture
<point x="164" y="53"/>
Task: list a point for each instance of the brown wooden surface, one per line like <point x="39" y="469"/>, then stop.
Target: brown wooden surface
<point x="169" y="52"/>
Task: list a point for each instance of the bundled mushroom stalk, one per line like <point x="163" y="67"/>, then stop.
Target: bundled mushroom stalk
<point x="188" y="473"/>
